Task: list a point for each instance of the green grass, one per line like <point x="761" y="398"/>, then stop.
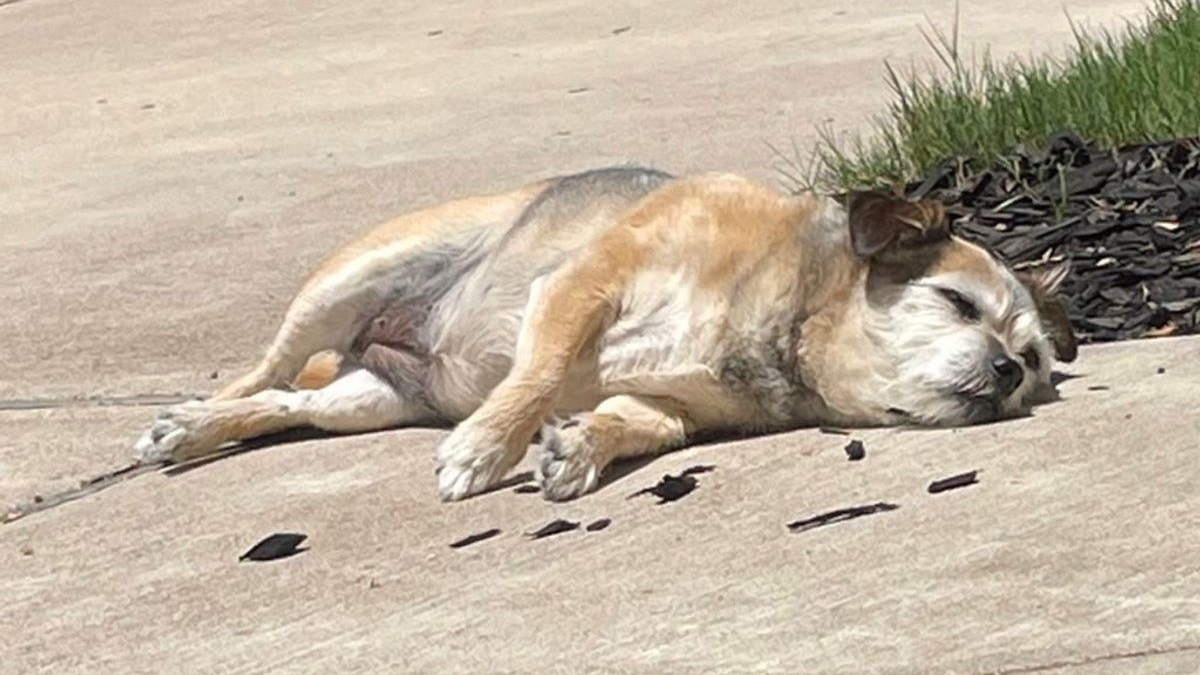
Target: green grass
<point x="1140" y="84"/>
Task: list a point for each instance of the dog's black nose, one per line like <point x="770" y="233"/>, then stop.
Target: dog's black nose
<point x="1008" y="374"/>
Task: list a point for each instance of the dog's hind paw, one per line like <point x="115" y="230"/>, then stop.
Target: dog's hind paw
<point x="157" y="444"/>
<point x="568" y="467"/>
<point x="174" y="436"/>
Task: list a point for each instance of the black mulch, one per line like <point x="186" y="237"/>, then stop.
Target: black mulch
<point x="1127" y="219"/>
<point x="276" y="546"/>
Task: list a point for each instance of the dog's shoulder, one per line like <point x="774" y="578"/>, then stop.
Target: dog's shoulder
<point x="733" y="204"/>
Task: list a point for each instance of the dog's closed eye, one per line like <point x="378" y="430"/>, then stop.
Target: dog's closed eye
<point x="962" y="304"/>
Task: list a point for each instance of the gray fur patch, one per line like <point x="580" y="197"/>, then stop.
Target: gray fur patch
<point x="576" y="191"/>
<point x="764" y="370"/>
<point x="403" y="369"/>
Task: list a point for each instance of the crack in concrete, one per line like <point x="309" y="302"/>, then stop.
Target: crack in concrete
<point x="20" y="509"/>
<point x="86" y="487"/>
<point x="1089" y="660"/>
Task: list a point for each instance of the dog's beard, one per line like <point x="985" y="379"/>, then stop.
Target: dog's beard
<point x="939" y="372"/>
<point x="943" y="382"/>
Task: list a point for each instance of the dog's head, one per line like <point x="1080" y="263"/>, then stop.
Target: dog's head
<point x="955" y="336"/>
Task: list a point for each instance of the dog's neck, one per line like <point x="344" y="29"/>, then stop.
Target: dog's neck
<point x="805" y="364"/>
<point x="842" y="360"/>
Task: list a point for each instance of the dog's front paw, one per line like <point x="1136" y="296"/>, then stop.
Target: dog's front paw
<point x="472" y="459"/>
<point x="176" y="435"/>
<point x="569" y="467"/>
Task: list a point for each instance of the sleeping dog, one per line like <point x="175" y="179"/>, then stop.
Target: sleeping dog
<point x="618" y="312"/>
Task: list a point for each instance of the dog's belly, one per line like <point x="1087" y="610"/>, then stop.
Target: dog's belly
<point x="471" y="355"/>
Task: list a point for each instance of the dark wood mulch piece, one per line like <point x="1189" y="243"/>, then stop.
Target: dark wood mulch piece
<point x="598" y="524"/>
<point x="554" y="527"/>
<point x="1127" y="219"/>
<point x="840" y="515"/>
<point x="670" y="488"/>
<point x="276" y="546"/>
<point x="834" y="431"/>
<point x="954" y="482"/>
<point x="476" y="538"/>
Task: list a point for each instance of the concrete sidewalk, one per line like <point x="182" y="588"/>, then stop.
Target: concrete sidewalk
<point x="1075" y="553"/>
<point x="172" y="169"/>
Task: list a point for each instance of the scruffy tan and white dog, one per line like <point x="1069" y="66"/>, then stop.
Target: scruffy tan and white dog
<point x="620" y="311"/>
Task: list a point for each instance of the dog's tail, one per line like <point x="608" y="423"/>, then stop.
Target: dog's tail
<point x="321" y="370"/>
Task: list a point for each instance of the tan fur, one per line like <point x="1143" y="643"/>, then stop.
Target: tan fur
<point x="969" y="260"/>
<point x="320" y="371"/>
<point x="1043" y="286"/>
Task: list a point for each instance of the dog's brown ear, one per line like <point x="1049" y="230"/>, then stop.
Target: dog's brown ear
<point x="881" y="223"/>
<point x="1043" y="285"/>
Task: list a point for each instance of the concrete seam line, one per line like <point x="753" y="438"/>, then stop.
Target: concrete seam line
<point x="95" y="400"/>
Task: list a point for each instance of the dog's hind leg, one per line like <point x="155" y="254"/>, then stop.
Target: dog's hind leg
<point x="322" y="369"/>
<point x="315" y="322"/>
<point x="409" y="255"/>
<point x="332" y="310"/>
<point x="357" y="401"/>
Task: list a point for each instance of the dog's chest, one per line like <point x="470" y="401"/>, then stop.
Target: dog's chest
<point x="730" y="359"/>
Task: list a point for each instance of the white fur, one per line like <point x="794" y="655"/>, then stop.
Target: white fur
<point x="471" y="459"/>
<point x="574" y="453"/>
